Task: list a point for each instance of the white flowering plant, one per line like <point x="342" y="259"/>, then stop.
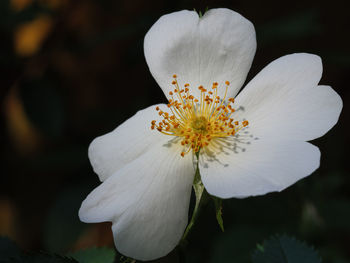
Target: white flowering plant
<point x="212" y="136"/>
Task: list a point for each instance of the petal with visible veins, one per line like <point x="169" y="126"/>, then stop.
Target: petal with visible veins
<point x="112" y="151"/>
<point x="260" y="167"/>
<point x="147" y="200"/>
<point x="284" y="100"/>
<point x="219" y="46"/>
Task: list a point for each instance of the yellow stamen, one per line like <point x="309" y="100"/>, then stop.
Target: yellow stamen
<point x="199" y="121"/>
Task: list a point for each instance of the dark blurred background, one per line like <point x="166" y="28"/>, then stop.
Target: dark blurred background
<point x="72" y="70"/>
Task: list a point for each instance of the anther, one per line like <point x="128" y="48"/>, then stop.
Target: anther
<point x="197" y="121"/>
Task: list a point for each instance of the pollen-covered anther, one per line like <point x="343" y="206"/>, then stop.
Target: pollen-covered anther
<point x="198" y="121"/>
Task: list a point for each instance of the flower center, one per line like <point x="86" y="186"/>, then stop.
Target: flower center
<point x="199" y="125"/>
<point x="198" y="121"/>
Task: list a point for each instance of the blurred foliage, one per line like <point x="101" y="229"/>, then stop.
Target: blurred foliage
<point x="67" y="68"/>
<point x="45" y="114"/>
<point x="9" y="252"/>
<point x="283" y="249"/>
<point x="63" y="227"/>
<point x="277" y="249"/>
<point x="94" y="255"/>
<point x="299" y="25"/>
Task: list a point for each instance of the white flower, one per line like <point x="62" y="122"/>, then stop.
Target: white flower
<point x="147" y="175"/>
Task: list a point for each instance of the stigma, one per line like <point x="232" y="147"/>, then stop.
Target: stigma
<point x="198" y="121"/>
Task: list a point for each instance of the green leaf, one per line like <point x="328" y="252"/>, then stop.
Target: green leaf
<point x="95" y="255"/>
<point x="284" y="249"/>
<point x="200" y="14"/>
<point x="198" y="187"/>
<point x="260" y="248"/>
<point x="218" y="208"/>
<point x="201" y="197"/>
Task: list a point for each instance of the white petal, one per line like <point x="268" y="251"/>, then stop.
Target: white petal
<point x="147" y="201"/>
<point x="262" y="167"/>
<point x="283" y="100"/>
<point x="112" y="151"/>
<point x="217" y="47"/>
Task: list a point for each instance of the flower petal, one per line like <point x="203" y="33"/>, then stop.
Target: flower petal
<point x="112" y="151"/>
<point x="219" y="46"/>
<point x="147" y="201"/>
<point x="283" y="100"/>
<point x="259" y="168"/>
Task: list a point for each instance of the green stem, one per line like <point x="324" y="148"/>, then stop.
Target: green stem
<point x="201" y="198"/>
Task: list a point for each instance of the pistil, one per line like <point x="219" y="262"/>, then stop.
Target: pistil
<point x="198" y="121"/>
